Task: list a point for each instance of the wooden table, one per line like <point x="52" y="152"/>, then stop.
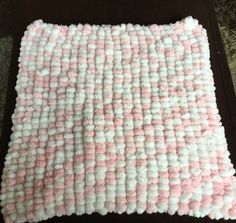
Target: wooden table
<point x="116" y="12"/>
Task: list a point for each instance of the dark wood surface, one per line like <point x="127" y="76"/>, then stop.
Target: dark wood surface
<point x="116" y="12"/>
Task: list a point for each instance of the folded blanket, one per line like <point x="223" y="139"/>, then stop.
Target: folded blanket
<point x="116" y="118"/>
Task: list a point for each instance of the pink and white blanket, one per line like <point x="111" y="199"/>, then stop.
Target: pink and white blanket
<point x="116" y="118"/>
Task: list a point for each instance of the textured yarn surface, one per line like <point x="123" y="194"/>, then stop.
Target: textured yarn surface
<point x="116" y="118"/>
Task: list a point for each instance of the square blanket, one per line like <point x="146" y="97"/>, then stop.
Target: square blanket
<point x="116" y="118"/>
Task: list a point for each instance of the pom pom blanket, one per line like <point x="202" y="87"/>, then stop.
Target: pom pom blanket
<point x="116" y="118"/>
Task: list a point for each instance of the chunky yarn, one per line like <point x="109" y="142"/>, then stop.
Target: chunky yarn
<point x="116" y="118"/>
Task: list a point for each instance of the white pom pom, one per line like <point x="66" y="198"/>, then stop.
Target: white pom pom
<point x="190" y="23"/>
